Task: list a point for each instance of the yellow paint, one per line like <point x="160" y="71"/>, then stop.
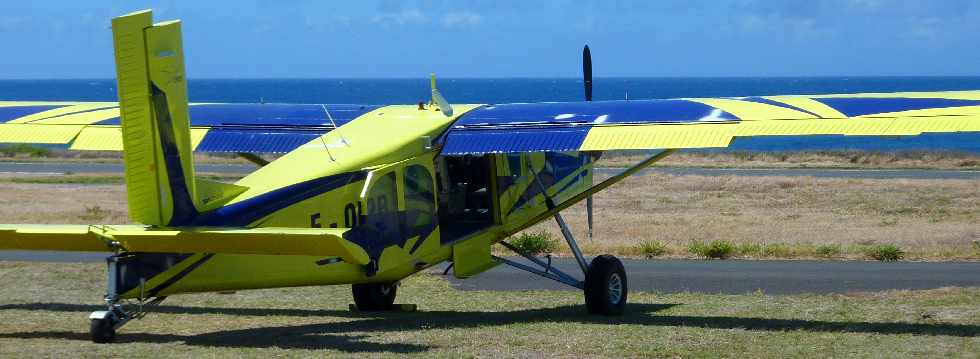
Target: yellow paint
<point x="752" y="111"/>
<point x="56" y="116"/>
<point x="808" y="104"/>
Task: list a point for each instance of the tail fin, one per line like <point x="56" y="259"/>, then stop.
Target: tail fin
<point x="160" y="183"/>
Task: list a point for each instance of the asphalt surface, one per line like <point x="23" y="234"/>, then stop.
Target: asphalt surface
<point x="54" y="168"/>
<point x="700" y="276"/>
<point x="744" y="276"/>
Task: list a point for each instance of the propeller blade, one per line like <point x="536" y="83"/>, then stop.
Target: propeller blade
<point x="587" y="72"/>
<point x="587" y="80"/>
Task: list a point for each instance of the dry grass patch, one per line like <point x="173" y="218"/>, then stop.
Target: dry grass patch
<point x="785" y="217"/>
<point x="816" y="159"/>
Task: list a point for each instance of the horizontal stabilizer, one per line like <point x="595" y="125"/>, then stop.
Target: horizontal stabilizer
<point x="325" y="242"/>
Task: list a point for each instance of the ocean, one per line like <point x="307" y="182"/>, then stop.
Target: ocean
<point x="508" y="90"/>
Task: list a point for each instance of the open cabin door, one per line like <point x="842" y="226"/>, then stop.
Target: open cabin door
<point x="467" y="202"/>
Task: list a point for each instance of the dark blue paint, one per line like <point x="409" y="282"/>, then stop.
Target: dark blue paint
<point x="566" y="113"/>
<point x="14" y="112"/>
<point x="561" y="139"/>
<point x="557" y="167"/>
<point x="255" y="140"/>
<point x="766" y="101"/>
<point x="269" y="115"/>
<point x="180" y="196"/>
<point x="245" y="212"/>
<point x="853" y="107"/>
<point x="961" y="141"/>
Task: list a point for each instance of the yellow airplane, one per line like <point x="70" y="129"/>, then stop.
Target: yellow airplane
<point x="369" y="195"/>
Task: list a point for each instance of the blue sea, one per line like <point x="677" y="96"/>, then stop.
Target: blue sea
<point x="507" y="90"/>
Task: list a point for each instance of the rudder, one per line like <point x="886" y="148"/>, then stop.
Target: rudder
<point x="160" y="183"/>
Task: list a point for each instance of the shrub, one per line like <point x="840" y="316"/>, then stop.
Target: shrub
<point x="13" y="150"/>
<point x="777" y="250"/>
<point x="535" y="243"/>
<point x="828" y="251"/>
<point x="884" y="252"/>
<point x="713" y="250"/>
<point x="94" y="213"/>
<point x="652" y="249"/>
<point x="749" y="249"/>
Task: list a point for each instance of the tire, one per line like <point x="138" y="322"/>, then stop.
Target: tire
<point x="102" y="330"/>
<point x="605" y="286"/>
<point x="372" y="297"/>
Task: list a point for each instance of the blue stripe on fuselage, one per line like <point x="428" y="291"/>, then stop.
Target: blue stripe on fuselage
<point x="245" y="212"/>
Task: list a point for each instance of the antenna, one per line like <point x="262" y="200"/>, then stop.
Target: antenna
<point x="440" y="101"/>
<point x="335" y="128"/>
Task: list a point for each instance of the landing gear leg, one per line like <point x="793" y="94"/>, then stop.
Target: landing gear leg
<point x="605" y="278"/>
<point x="104" y="323"/>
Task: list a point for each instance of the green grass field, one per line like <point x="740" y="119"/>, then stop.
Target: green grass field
<point x="44" y="308"/>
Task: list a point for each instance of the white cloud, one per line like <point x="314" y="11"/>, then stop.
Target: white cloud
<point x="464" y="18"/>
<point x="403" y="17"/>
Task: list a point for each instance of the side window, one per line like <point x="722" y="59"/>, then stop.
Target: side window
<point x="382" y="206"/>
<point x="419" y="200"/>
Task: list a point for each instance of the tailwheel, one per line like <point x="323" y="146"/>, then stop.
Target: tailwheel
<point x="605" y="286"/>
<point x="103" y="330"/>
<point x="374" y="296"/>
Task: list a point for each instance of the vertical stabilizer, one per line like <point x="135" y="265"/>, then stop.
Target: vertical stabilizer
<point x="155" y="122"/>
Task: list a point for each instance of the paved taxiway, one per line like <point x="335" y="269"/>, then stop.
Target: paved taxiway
<point x="702" y="276"/>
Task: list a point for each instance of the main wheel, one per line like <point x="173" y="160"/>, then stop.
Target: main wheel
<point x="102" y="330"/>
<point x="605" y="286"/>
<point x="374" y="296"/>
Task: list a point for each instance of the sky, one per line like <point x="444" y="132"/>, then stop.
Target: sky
<point x="505" y="38"/>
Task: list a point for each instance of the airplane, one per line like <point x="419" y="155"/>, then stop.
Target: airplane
<point x="367" y="195"/>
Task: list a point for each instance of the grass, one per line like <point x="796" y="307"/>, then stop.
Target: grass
<point x="535" y="242"/>
<point x="713" y="250"/>
<point x="884" y="252"/>
<point x="24" y="150"/>
<point x="783" y="217"/>
<point x="807" y="159"/>
<point x="97" y="179"/>
<point x="44" y="314"/>
<point x="652" y="249"/>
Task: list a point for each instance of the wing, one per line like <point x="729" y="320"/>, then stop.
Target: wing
<point x="708" y="123"/>
<point x="247" y="128"/>
<point x="327" y="242"/>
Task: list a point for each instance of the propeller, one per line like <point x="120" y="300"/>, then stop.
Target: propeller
<point x="587" y="72"/>
<point x="587" y="81"/>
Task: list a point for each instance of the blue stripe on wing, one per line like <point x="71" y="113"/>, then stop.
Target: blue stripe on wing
<point x="861" y="106"/>
<point x="582" y="113"/>
<point x="562" y="126"/>
<point x="10" y="113"/>
<point x="255" y="141"/>
<point x="514" y="140"/>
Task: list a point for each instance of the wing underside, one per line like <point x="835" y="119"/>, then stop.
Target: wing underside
<point x="709" y="123"/>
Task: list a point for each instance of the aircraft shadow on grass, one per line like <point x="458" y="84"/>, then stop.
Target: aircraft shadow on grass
<point x="336" y="335"/>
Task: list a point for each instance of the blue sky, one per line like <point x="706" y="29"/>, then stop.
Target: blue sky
<point x="503" y="38"/>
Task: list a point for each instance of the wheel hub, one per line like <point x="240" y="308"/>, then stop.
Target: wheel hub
<point x="615" y="288"/>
